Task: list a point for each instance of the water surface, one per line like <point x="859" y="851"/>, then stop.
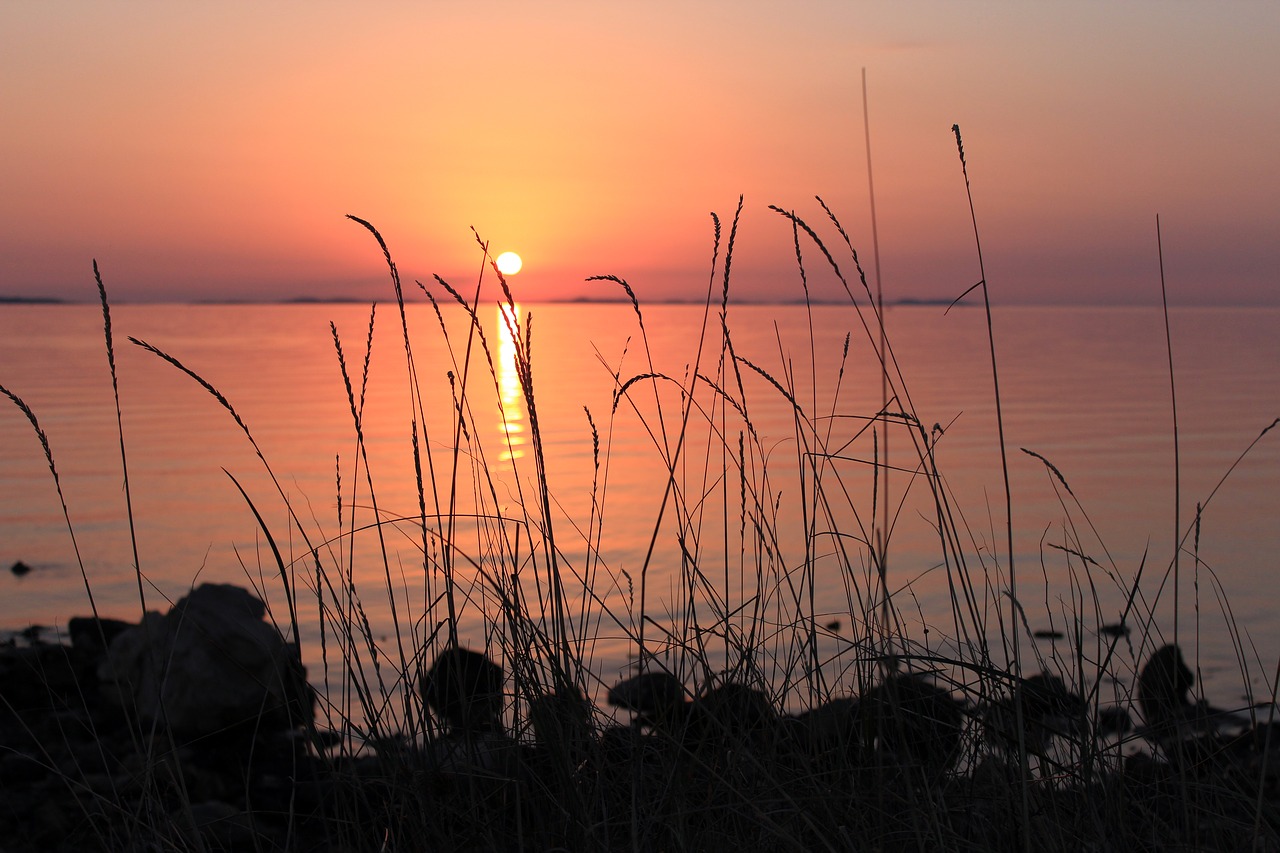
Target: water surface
<point x="1087" y="389"/>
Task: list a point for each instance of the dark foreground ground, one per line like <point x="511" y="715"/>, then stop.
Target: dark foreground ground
<point x="907" y="766"/>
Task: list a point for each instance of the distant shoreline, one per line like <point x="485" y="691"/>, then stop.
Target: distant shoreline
<point x="34" y="300"/>
<point x="904" y="302"/>
<point x="350" y="300"/>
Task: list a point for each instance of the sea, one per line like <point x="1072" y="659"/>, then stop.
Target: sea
<point x="768" y="488"/>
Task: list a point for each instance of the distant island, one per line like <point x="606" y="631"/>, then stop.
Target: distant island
<point x="30" y="300"/>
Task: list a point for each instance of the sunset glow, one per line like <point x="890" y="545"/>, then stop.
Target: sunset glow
<point x="737" y="518"/>
<point x="207" y="151"/>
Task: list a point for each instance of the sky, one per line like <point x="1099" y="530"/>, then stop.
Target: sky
<point x="210" y="151"/>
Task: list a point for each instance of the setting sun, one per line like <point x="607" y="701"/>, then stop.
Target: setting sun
<point x="509" y="263"/>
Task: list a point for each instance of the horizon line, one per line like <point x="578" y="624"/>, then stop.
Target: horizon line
<point x="903" y="302"/>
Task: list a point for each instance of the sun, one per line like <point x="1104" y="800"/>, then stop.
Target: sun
<point x="509" y="263"/>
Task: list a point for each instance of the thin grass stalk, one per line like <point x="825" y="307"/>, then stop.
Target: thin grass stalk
<point x="805" y="459"/>
<point x="462" y="403"/>
<point x="886" y="358"/>
<point x="124" y="461"/>
<point x="458" y="429"/>
<point x="644" y="333"/>
<point x="1004" y="470"/>
<point x="883" y="476"/>
<point x="1177" y="459"/>
<point x="416" y="404"/>
<point x="523" y="639"/>
<point x="644" y="655"/>
<point x="720" y="409"/>
<point x="524" y="363"/>
<point x="109" y="341"/>
<point x="362" y="451"/>
<point x="664" y="447"/>
<point x="888" y="361"/>
<point x="359" y="459"/>
<point x="754" y="637"/>
<point x="885" y="355"/>
<point x="512" y="603"/>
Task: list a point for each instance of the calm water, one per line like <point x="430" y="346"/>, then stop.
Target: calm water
<point x="1088" y="389"/>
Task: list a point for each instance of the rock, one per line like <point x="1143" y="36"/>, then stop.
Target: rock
<point x="733" y="714"/>
<point x="562" y="719"/>
<point x="657" y="699"/>
<point x="1172" y="719"/>
<point x="1114" y="720"/>
<point x="464" y="688"/>
<point x="914" y="721"/>
<point x="832" y="729"/>
<point x="1164" y="685"/>
<point x="1049" y="711"/>
<point x="93" y="635"/>
<point x="20" y="569"/>
<point x="209" y="665"/>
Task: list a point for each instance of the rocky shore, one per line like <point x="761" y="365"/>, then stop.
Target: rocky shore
<point x="195" y="730"/>
<point x="187" y="728"/>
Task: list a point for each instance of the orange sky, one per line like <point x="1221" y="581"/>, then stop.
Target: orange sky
<point x="210" y="150"/>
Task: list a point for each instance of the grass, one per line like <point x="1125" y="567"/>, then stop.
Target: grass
<point x="946" y="743"/>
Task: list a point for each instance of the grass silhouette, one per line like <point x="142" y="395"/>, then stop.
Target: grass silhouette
<point x="745" y="731"/>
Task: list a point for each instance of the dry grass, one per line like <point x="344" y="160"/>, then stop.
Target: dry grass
<point x="893" y="742"/>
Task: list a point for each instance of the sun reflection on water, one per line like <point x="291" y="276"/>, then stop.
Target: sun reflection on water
<point x="511" y="425"/>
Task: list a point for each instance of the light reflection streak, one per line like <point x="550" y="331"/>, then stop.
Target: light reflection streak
<point x="511" y="424"/>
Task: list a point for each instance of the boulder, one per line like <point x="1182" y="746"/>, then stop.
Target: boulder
<point x="211" y="664"/>
<point x="93" y="634"/>
<point x="464" y="688"/>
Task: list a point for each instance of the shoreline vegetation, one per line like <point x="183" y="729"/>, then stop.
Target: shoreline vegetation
<point x="202" y="726"/>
